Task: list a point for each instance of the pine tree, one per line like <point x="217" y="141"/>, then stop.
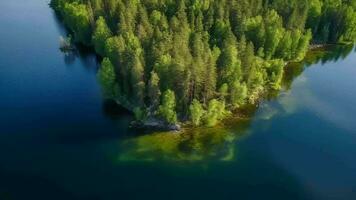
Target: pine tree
<point x="100" y="35"/>
<point x="167" y="108"/>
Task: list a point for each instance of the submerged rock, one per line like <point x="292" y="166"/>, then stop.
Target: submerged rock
<point x="65" y="44"/>
<point x="155" y="124"/>
<point x="317" y="46"/>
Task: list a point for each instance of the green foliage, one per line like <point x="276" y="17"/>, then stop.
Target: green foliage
<point x="332" y="21"/>
<point x="154" y="92"/>
<point x="77" y="17"/>
<point x="238" y="94"/>
<point x="100" y="35"/>
<point x="140" y="114"/>
<point x="216" y="111"/>
<point x="107" y="78"/>
<point x="196" y="112"/>
<point x="201" y="51"/>
<point x="167" y="108"/>
<point x="275" y="72"/>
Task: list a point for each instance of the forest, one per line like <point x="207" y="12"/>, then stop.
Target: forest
<point x="197" y="61"/>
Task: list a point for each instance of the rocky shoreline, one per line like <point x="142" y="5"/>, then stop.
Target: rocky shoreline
<point x="318" y="46"/>
<point x="154" y="125"/>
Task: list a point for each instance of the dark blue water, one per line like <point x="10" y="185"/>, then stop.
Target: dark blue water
<point x="60" y="140"/>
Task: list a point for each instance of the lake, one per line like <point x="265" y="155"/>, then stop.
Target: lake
<point x="59" y="139"/>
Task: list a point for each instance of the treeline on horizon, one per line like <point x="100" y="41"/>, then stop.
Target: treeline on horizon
<point x="197" y="60"/>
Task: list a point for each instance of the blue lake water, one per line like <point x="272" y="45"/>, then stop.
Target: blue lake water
<point x="60" y="140"/>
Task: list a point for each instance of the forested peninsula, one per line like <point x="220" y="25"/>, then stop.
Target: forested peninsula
<point x="197" y="61"/>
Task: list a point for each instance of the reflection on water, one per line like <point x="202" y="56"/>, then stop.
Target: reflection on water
<point x="69" y="57"/>
<point x="114" y="111"/>
<point x="321" y="55"/>
<point x="219" y="143"/>
<point x="191" y="145"/>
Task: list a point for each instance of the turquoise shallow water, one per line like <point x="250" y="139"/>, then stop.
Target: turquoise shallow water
<point x="60" y="140"/>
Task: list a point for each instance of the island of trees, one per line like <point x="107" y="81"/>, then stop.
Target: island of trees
<point x="197" y="61"/>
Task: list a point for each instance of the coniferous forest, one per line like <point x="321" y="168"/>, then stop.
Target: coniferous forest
<point x="199" y="60"/>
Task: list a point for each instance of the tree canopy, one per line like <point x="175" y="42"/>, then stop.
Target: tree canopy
<point x="203" y="56"/>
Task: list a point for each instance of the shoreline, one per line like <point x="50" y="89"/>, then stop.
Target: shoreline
<point x="156" y="125"/>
